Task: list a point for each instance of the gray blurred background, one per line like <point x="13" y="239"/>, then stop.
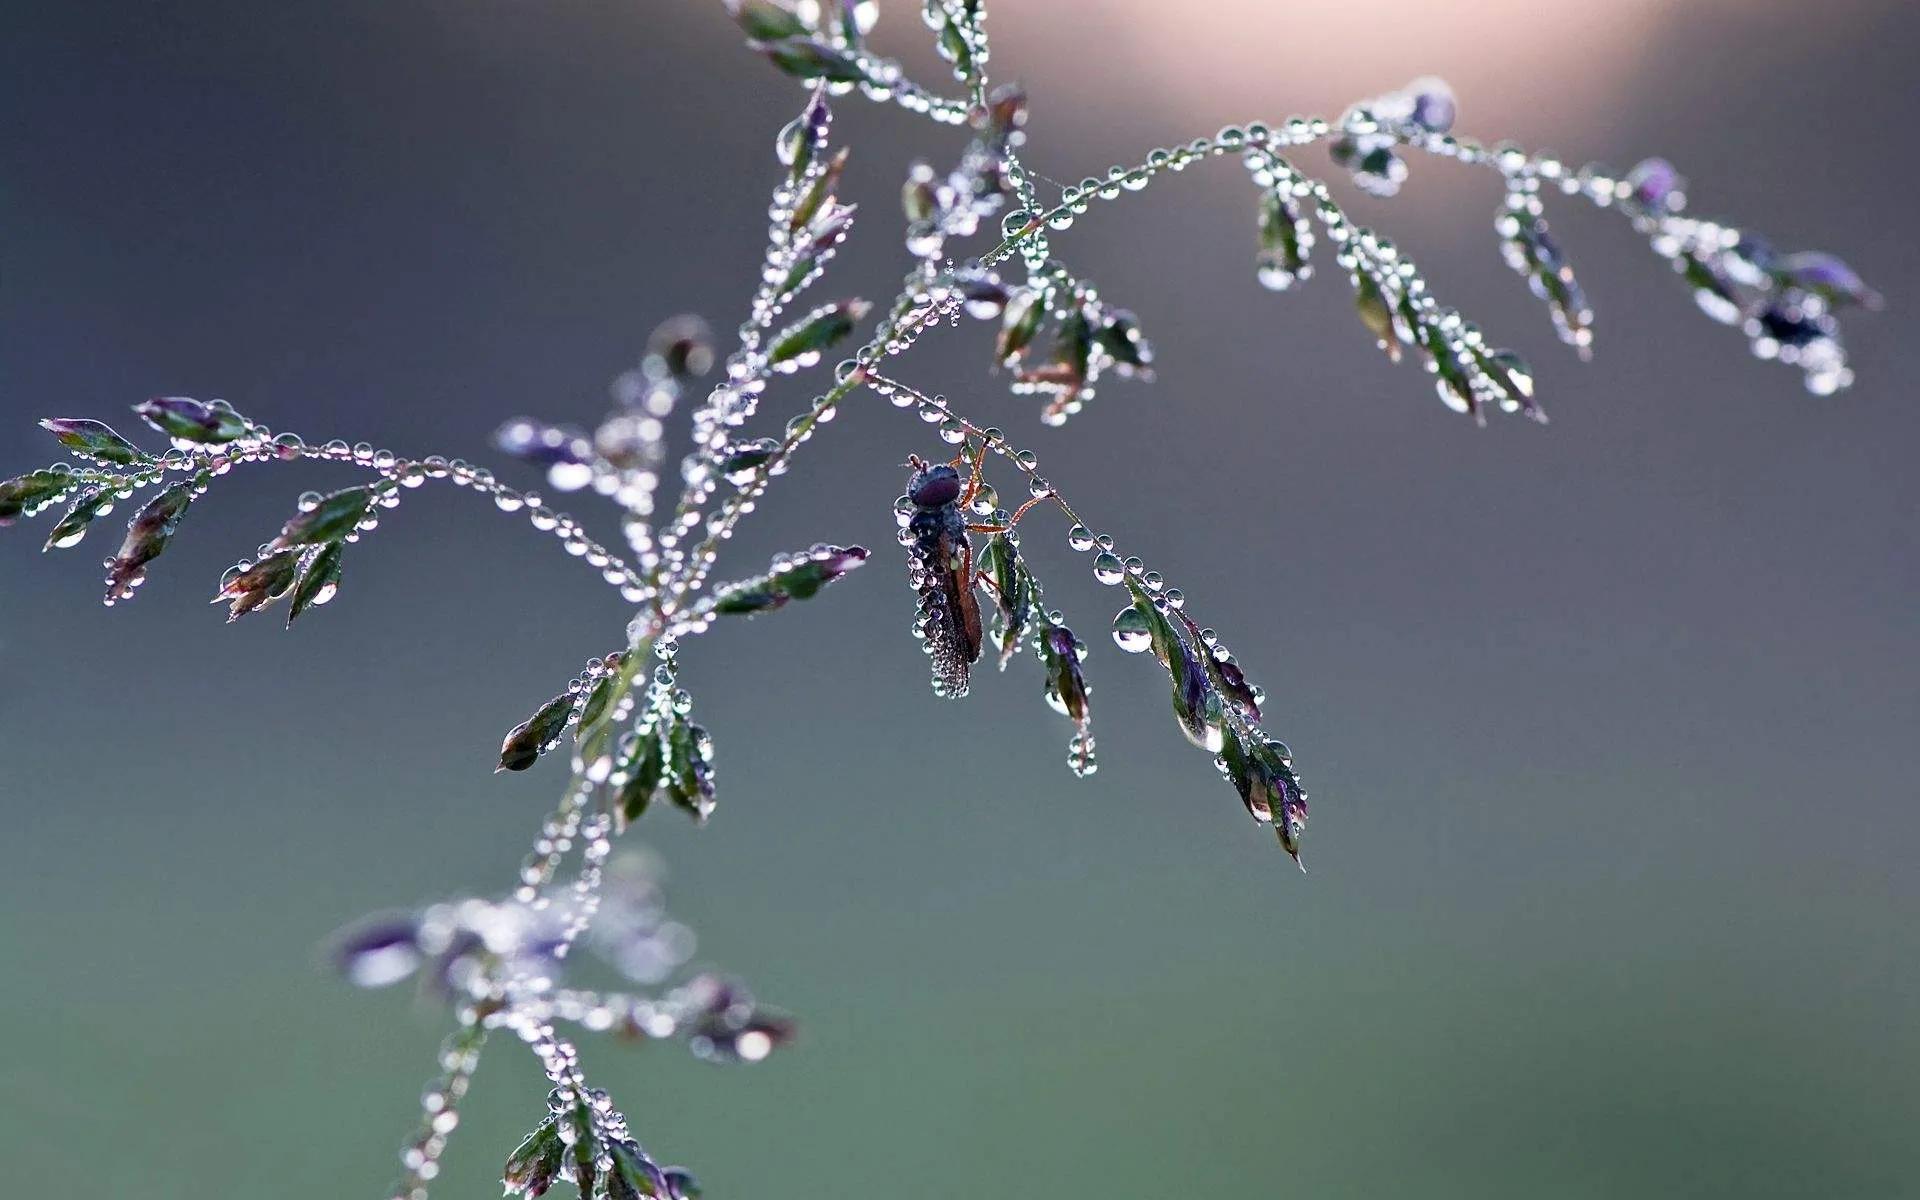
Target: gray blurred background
<point x="1609" y="725"/>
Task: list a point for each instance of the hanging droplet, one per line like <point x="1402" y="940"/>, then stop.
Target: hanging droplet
<point x="1131" y="630"/>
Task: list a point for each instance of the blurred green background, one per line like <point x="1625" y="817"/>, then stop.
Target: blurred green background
<point x="1609" y="726"/>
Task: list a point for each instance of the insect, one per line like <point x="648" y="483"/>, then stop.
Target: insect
<point x="940" y="565"/>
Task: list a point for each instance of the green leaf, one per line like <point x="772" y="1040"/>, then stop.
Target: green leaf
<point x="1015" y="591"/>
<point x="534" y="1165"/>
<point x="25" y="495"/>
<point x="641" y="769"/>
<point x="91" y="503"/>
<point x="796" y="577"/>
<point x="331" y="520"/>
<point x="634" y="1175"/>
<point x="318" y="582"/>
<point x="819" y="192"/>
<point x="802" y="343"/>
<point x="807" y="59"/>
<point x="598" y="701"/>
<point x="765" y="21"/>
<point x="1375" y="313"/>
<point x="689" y="775"/>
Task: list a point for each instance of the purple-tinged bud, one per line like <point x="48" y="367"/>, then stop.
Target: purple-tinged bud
<point x="1066" y="686"/>
<point x="1234" y="682"/>
<point x="1432" y="106"/>
<point x="147" y="536"/>
<point x="1006" y="111"/>
<point x="1825" y="276"/>
<point x="1655" y="186"/>
<point x="380" y="952"/>
<point x="818" y="195"/>
<point x="681" y="1185"/>
<point x="680" y="347"/>
<point x="749" y="1040"/>
<point x="192" y="422"/>
<point x="543" y="445"/>
<point x="91" y="439"/>
<point x="797" y="577"/>
<point x="982" y="292"/>
<point x="261" y="583"/>
<point x="1786" y="326"/>
<point x="1025" y="311"/>
<point x="805" y="137"/>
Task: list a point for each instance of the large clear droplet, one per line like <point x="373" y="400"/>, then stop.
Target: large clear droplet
<point x="1131" y="631"/>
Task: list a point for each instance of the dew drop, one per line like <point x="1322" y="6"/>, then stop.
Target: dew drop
<point x="1131" y="630"/>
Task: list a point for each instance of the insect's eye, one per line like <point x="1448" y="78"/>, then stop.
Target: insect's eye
<point x="934" y="486"/>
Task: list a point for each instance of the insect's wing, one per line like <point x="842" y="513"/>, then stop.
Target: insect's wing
<point x="966" y="601"/>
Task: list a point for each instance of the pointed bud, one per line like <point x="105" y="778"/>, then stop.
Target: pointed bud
<point x="1066" y="686"/>
<point x="803" y="139"/>
<point x="689" y="778"/>
<point x="820" y="191"/>
<point x="634" y="1175"/>
<point x="642" y="766"/>
<point x="1018" y="325"/>
<point x="91" y="503"/>
<point x="261" y="583"/>
<point x="186" y="420"/>
<point x="599" y="700"/>
<point x="811" y="60"/>
<point x="147" y="536"/>
<point x="331" y="520"/>
<point x="1119" y="335"/>
<point x="765" y="20"/>
<point x="542" y="444"/>
<point x="802" y="343"/>
<point x="679" y="348"/>
<point x="25" y="495"/>
<point x="797" y="577"/>
<point x="1825" y="276"/>
<point x="740" y="461"/>
<point x="527" y="741"/>
<point x="1655" y="186"/>
<point x="91" y="439"/>
<point x="1376" y="314"/>
<point x="379" y="952"/>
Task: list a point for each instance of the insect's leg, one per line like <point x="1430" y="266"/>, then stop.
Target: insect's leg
<point x="1013" y="520"/>
<point x="973" y="480"/>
